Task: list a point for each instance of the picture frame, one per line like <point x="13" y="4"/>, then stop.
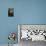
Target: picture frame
<point x="10" y="12"/>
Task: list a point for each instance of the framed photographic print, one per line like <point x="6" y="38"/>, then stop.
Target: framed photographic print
<point x="10" y="12"/>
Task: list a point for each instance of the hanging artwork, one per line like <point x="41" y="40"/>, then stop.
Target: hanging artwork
<point x="10" y="12"/>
